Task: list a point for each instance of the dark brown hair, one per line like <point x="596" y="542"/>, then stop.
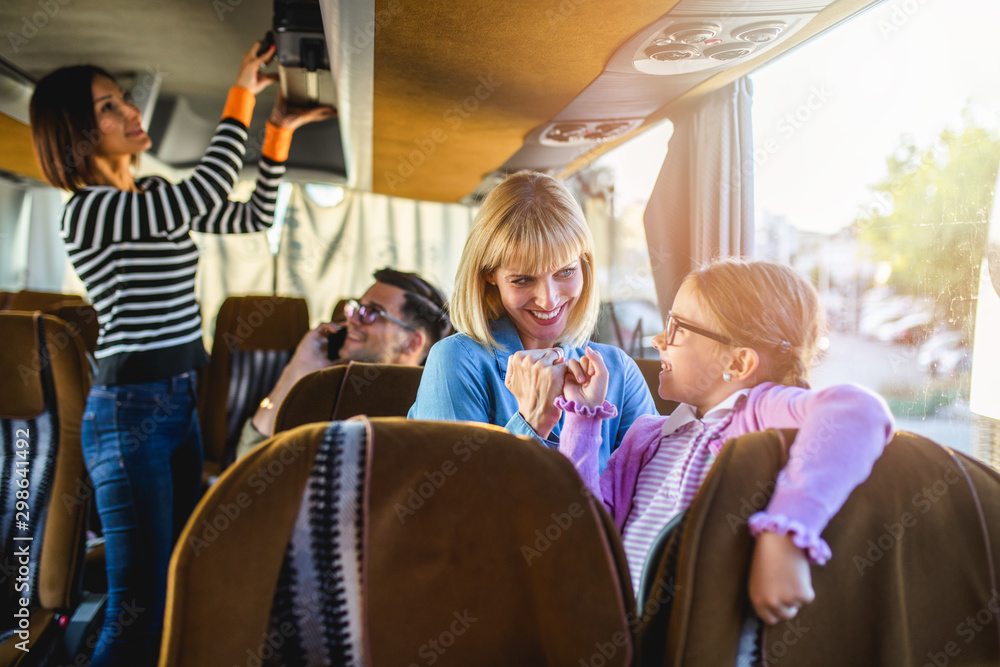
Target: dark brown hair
<point x="424" y="304"/>
<point x="64" y="130"/>
<point x="767" y="307"/>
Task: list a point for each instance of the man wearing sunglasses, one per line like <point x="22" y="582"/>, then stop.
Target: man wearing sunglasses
<point x="395" y="322"/>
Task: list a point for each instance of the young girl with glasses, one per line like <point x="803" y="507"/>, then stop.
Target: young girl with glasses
<point x="735" y="353"/>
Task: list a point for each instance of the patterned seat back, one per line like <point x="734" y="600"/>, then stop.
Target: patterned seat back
<point x="255" y="336"/>
<point x="44" y="490"/>
<point x="393" y="542"/>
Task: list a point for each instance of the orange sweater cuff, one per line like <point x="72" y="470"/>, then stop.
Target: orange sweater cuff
<point x="277" y="141"/>
<point x="239" y="105"/>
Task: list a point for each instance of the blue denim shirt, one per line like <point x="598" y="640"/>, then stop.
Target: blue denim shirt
<point x="464" y="381"/>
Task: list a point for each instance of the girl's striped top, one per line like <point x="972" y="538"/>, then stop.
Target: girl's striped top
<point x="134" y="252"/>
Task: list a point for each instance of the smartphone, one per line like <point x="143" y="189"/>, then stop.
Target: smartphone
<point x="334" y="341"/>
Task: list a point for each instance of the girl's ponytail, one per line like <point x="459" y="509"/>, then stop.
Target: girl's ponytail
<point x="797" y="371"/>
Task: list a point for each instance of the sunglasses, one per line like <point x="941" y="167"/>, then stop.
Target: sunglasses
<point x="673" y="324"/>
<point x="368" y="314"/>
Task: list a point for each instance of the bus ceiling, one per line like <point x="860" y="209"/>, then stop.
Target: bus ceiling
<point x="470" y="90"/>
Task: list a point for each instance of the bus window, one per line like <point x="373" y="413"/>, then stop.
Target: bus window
<point x="874" y="174"/>
<point x="614" y="191"/>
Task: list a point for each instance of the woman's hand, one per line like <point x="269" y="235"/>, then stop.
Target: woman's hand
<point x="586" y="380"/>
<point x="780" y="581"/>
<point x="535" y="377"/>
<point x="283" y="115"/>
<point x="250" y="76"/>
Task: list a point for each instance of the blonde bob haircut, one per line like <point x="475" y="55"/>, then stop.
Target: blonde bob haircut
<point x="531" y="223"/>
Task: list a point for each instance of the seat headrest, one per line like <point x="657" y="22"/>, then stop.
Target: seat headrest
<point x="29" y="300"/>
<point x="262" y="322"/>
<point x="82" y="318"/>
<point x="20" y="366"/>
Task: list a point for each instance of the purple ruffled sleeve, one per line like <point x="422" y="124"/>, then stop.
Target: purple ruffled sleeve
<point x="602" y="412"/>
<point x="580" y="439"/>
<point x="842" y="430"/>
<point x="815" y="546"/>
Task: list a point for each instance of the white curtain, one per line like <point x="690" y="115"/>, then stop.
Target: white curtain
<point x="13" y="237"/>
<point x="328" y="253"/>
<point x="702" y="205"/>
<point x="233" y="264"/>
<point x="32" y="252"/>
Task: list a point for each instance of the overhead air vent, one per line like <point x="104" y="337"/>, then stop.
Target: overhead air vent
<point x="571" y="133"/>
<point x="691" y="33"/>
<point x="728" y="51"/>
<point x="759" y="33"/>
<point x="686" y="44"/>
<point x="671" y="52"/>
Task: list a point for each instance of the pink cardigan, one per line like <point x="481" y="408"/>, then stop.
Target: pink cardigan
<point x="842" y="431"/>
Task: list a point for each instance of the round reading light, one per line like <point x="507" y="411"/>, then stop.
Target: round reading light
<point x="573" y="133"/>
<point x="759" y="33"/>
<point x="567" y="132"/>
<point x="672" y="52"/>
<point x="610" y="130"/>
<point x="325" y="194"/>
<point x="691" y="33"/>
<point x="728" y="51"/>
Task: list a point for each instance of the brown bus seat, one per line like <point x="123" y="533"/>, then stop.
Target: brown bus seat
<point x="338" y="311"/>
<point x="81" y="317"/>
<point x="255" y="337"/>
<point x="71" y="308"/>
<point x="45" y="381"/>
<point x="347" y="390"/>
<point x="650" y="369"/>
<point x="30" y="300"/>
<point x="398" y="542"/>
<point x="914" y="557"/>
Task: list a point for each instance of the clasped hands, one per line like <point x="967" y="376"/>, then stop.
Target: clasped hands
<point x="537" y="377"/>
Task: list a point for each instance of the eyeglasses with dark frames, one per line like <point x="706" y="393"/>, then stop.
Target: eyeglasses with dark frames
<point x="368" y="314"/>
<point x="673" y="324"/>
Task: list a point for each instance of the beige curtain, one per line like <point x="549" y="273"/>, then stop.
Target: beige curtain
<point x="329" y="253"/>
<point x="702" y="205"/>
<point x="233" y="264"/>
<point x="32" y="252"/>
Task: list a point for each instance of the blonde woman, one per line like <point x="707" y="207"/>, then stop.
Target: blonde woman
<point x="525" y="301"/>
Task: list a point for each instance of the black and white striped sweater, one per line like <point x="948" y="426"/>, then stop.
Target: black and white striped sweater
<point x="134" y="253"/>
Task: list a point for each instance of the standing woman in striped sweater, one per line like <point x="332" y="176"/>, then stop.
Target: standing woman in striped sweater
<point x="130" y="244"/>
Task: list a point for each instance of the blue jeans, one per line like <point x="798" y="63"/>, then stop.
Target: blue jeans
<point x="142" y="447"/>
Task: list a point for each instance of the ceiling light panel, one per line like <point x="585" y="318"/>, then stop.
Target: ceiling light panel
<point x="685" y="44"/>
<point x="573" y="133"/>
